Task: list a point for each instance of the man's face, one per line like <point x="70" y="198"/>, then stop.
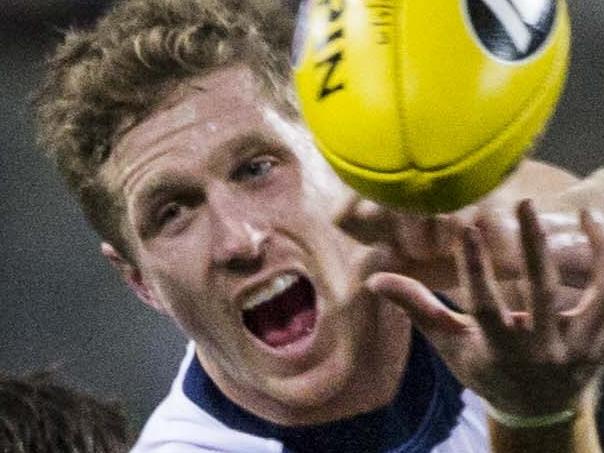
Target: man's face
<point x="230" y="209"/>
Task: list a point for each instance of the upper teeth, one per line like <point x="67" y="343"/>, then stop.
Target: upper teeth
<point x="276" y="286"/>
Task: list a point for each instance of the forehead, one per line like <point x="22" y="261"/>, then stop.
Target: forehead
<point x="207" y="100"/>
<point x="201" y="114"/>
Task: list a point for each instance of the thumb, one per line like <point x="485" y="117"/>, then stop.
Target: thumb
<point x="426" y="311"/>
<point x="365" y="221"/>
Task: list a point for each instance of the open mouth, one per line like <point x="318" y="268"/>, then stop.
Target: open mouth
<point x="283" y="313"/>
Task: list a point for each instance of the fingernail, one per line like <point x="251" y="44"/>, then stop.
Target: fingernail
<point x="372" y="283"/>
<point x="366" y="209"/>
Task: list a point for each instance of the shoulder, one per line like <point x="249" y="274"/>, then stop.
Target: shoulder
<point x="178" y="425"/>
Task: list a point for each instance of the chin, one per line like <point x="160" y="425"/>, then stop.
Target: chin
<point x="317" y="386"/>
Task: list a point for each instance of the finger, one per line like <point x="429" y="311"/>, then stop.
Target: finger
<point x="582" y="325"/>
<point x="365" y="221"/>
<point x="426" y="311"/>
<point x="541" y="271"/>
<point x="591" y="305"/>
<point x="589" y="308"/>
<point x="570" y="247"/>
<point x="417" y="236"/>
<point x="499" y="230"/>
<point x="567" y="244"/>
<point x="447" y="231"/>
<point x="595" y="233"/>
<point x="486" y="302"/>
<point x="370" y="260"/>
<point x="521" y="322"/>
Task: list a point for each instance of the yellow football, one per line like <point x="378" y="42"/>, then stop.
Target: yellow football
<point x="428" y="104"/>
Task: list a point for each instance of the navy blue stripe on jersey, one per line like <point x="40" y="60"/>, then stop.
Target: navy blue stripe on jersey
<point x="421" y="416"/>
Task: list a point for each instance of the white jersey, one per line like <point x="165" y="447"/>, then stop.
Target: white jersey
<point x="431" y="413"/>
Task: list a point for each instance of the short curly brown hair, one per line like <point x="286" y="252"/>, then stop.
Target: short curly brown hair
<point x="102" y="81"/>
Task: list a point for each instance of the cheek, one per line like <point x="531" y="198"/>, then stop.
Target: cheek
<point x="179" y="290"/>
<point x="191" y="306"/>
<point x="178" y="280"/>
<point x="203" y="317"/>
<point x="182" y="259"/>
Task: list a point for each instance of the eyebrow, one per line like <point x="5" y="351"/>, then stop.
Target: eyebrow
<point x="157" y="188"/>
<point x="243" y="144"/>
<point x="166" y="182"/>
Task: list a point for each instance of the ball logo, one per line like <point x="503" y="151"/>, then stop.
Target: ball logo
<point x="512" y="29"/>
<point x="329" y="45"/>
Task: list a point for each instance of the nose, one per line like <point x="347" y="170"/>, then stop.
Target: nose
<point x="238" y="244"/>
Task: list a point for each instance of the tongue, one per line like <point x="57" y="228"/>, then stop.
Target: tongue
<point x="285" y="319"/>
<point x="298" y="327"/>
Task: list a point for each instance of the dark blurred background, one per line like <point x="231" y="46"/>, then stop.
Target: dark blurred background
<point x="62" y="306"/>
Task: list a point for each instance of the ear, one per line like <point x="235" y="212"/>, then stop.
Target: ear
<point x="131" y="274"/>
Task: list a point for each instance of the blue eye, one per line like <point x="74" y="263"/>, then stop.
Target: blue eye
<point x="168" y="213"/>
<point x="256" y="168"/>
<point x="259" y="168"/>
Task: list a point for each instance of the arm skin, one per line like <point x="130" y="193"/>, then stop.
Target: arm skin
<point x="533" y="289"/>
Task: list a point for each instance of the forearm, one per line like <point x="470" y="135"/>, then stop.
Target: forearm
<point x="587" y="193"/>
<point x="554" y="190"/>
<point x="577" y="435"/>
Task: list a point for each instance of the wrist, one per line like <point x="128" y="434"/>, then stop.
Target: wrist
<point x="516" y="421"/>
<point x="583" y="406"/>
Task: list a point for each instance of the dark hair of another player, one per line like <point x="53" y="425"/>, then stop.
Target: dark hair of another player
<point x="39" y="415"/>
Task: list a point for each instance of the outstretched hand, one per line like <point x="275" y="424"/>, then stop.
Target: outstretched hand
<point x="530" y="345"/>
<point x="422" y="247"/>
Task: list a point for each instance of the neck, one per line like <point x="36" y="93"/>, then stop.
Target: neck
<point x="382" y="363"/>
